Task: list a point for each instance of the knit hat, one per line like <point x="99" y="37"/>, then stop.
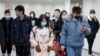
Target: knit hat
<point x="92" y="11"/>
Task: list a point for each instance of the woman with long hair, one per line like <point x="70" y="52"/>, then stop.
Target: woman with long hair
<point x="58" y="27"/>
<point x="42" y="37"/>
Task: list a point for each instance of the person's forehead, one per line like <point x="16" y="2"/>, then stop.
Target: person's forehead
<point x="7" y="13"/>
<point x="47" y="14"/>
<point x="16" y="10"/>
<point x="64" y="13"/>
<point x="57" y="12"/>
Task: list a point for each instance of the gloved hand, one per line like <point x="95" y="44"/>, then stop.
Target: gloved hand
<point x="38" y="49"/>
<point x="48" y="49"/>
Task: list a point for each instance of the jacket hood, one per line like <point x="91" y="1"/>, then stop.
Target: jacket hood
<point x="71" y="18"/>
<point x="88" y="17"/>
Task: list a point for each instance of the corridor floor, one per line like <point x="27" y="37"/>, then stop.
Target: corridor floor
<point x="84" y="53"/>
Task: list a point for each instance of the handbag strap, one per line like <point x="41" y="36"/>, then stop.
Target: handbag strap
<point x="34" y="32"/>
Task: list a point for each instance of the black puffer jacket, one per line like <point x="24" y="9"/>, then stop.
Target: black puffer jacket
<point x="94" y="24"/>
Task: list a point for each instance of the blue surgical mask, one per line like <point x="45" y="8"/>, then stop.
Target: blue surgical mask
<point x="7" y="17"/>
<point x="43" y="24"/>
<point x="56" y="15"/>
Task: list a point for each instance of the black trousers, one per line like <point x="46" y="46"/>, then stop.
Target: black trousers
<point x="22" y="50"/>
<point x="7" y="48"/>
<point x="90" y="45"/>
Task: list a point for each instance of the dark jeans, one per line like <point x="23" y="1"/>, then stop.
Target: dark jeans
<point x="7" y="48"/>
<point x="90" y="45"/>
<point x="22" y="50"/>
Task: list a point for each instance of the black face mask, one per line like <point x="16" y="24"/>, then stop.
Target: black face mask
<point x="77" y="17"/>
<point x="48" y="18"/>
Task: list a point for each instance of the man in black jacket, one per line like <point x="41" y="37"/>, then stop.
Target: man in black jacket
<point x="94" y="24"/>
<point x="21" y="29"/>
<point x="6" y="23"/>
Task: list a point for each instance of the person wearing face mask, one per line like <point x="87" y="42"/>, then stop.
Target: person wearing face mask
<point x="20" y="32"/>
<point x="34" y="19"/>
<point x="55" y="18"/>
<point x="56" y="14"/>
<point x="47" y="14"/>
<point x="59" y="24"/>
<point x="73" y="33"/>
<point x="41" y="37"/>
<point x="94" y="23"/>
<point x="6" y="23"/>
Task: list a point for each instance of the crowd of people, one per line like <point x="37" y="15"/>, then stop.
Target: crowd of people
<point x="62" y="36"/>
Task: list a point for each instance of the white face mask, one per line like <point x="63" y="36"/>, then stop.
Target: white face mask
<point x="17" y="14"/>
<point x="92" y="15"/>
<point x="64" y="17"/>
<point x="32" y="15"/>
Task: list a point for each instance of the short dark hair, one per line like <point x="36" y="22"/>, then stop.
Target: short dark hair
<point x="76" y="10"/>
<point x="20" y="8"/>
<point x="57" y="10"/>
<point x="7" y="11"/>
<point x="42" y="16"/>
<point x="63" y="12"/>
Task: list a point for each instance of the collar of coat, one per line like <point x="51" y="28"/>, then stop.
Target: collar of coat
<point x="71" y="18"/>
<point x="91" y="19"/>
<point x="25" y="17"/>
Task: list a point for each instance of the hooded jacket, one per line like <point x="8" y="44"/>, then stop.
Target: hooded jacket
<point x="71" y="34"/>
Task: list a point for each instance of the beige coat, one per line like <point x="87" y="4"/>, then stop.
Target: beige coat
<point x="43" y="38"/>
